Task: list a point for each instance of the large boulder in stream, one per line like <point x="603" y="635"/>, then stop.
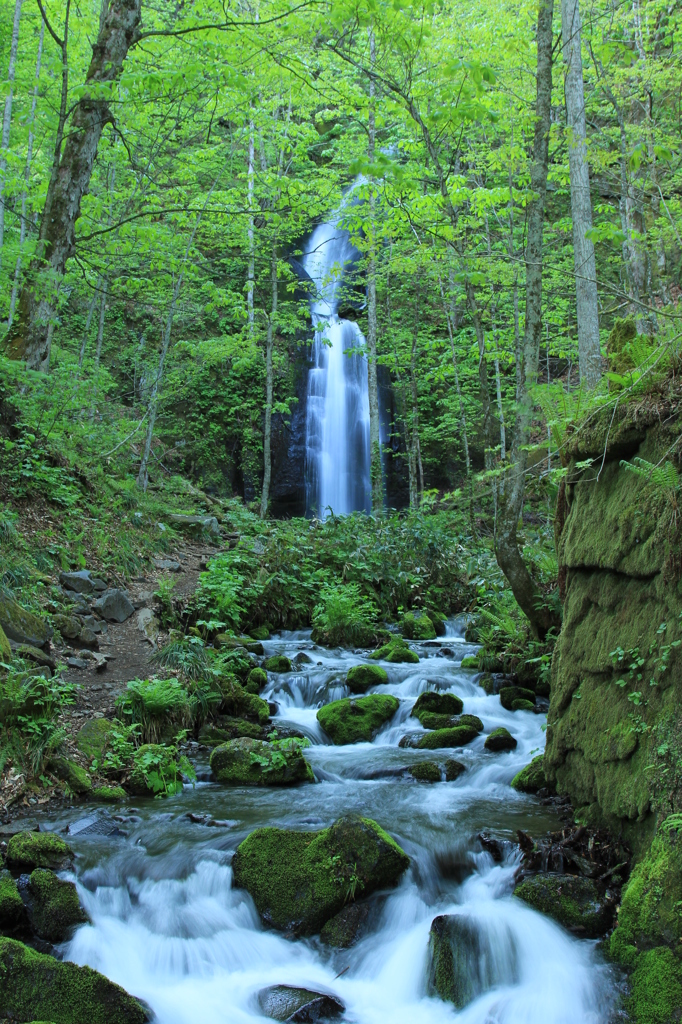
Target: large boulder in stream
<point x="284" y="1002"/>
<point x="300" y="880"/>
<point x="577" y="903"/>
<point x="531" y="778"/>
<point x="457" y="736"/>
<point x="461" y="965"/>
<point x="29" y="850"/>
<point x="52" y="904"/>
<point x="361" y="677"/>
<point x="500" y="739"/>
<point x="36" y="987"/>
<point x="434" y="703"/>
<point x="417" y="626"/>
<point x="352" y="721"/>
<point x="248" y="762"/>
<point x="395" y="652"/>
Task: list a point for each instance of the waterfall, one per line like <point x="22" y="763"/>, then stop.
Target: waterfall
<point x="337" y="417"/>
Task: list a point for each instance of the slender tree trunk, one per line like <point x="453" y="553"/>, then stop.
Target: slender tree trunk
<point x="500" y="411"/>
<point x="484" y="390"/>
<point x="28" y="336"/>
<point x="251" y="267"/>
<point x="376" y="475"/>
<point x="7" y="118"/>
<point x="88" y="321"/>
<point x="267" y="433"/>
<point x="415" y="453"/>
<point x="27" y="173"/>
<point x="98" y="351"/>
<point x="589" y="352"/>
<point x="511" y="503"/>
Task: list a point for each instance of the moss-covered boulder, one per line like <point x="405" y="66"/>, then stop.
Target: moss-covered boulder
<point x="287" y="1003"/>
<point x="396" y="652"/>
<point x="277" y="663"/>
<point x="361" y="677"/>
<point x="53" y="906"/>
<point x="438" y="620"/>
<point x="109" y="794"/>
<point x="67" y="625"/>
<point x="522" y="705"/>
<point x="500" y="739"/>
<point x="509" y="694"/>
<point x="225" y="729"/>
<point x="155" y="771"/>
<point x="5" y="649"/>
<point x="417" y="626"/>
<point x="260" y="633"/>
<point x="470" y="661"/>
<point x="300" y="880"/>
<point x="248" y="762"/>
<point x="94" y="737"/>
<point x="531" y="778"/>
<point x="344" y="928"/>
<point x="435" y="703"/>
<point x="461" y="965"/>
<point x="29" y="850"/>
<point x="353" y="720"/>
<point x="12" y="911"/>
<point x="453" y="770"/>
<point x="425" y="771"/>
<point x="20" y="625"/>
<point x="238" y="703"/>
<point x="579" y="904"/>
<point x="457" y="736"/>
<point x="256" y="680"/>
<point x="431" y="721"/>
<point x="656" y="988"/>
<point x="38" y="987"/>
<point x="73" y="774"/>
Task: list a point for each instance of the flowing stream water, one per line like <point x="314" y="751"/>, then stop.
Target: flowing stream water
<point x="168" y="925"/>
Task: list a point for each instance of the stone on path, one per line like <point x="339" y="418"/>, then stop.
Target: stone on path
<point x="114" y="606"/>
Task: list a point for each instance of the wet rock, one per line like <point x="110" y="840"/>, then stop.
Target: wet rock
<point x="114" y="606"/>
<point x="446" y="652"/>
<point x="251" y="762"/>
<point x="238" y="703"/>
<point x="509" y="694"/>
<point x="453" y="770"/>
<point x="256" y="680"/>
<point x="12" y="910"/>
<point x="433" y="702"/>
<point x="492" y="846"/>
<point x="109" y="794"/>
<point x="353" y="720"/>
<point x="29" y="850"/>
<point x="417" y="626"/>
<point x="93" y="738"/>
<point x="282" y="1002"/>
<point x="531" y="778"/>
<point x="461" y="966"/>
<point x="457" y="736"/>
<point x="196" y="526"/>
<point x="361" y="677"/>
<point x="95" y="825"/>
<point x="500" y="739"/>
<point x="438" y="621"/>
<point x="579" y="904"/>
<point x="522" y="705"/>
<point x="302" y="659"/>
<point x="396" y="652"/>
<point x="52" y="905"/>
<point x="229" y="729"/>
<point x="277" y="663"/>
<point x="425" y="771"/>
<point x="68" y="626"/>
<point x="72" y="774"/>
<point x="488" y="684"/>
<point x="34" y="986"/>
<point x="343" y="930"/>
<point x="20" y="625"/>
<point x="88" y="638"/>
<point x="300" y="880"/>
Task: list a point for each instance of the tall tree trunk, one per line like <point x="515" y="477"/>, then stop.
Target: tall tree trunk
<point x="589" y="352"/>
<point x="511" y="502"/>
<point x="98" y="350"/>
<point x="27" y="173"/>
<point x="267" y="433"/>
<point x="484" y="390"/>
<point x="28" y="336"/>
<point x="376" y="475"/>
<point x="7" y="117"/>
<point x="251" y="266"/>
<point x="415" y="453"/>
<point x="88" y="321"/>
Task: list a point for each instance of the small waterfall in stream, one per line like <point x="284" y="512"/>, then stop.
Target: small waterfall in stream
<point x="337" y="420"/>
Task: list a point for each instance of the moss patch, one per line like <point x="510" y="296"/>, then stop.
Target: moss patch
<point x="656" y="995"/>
<point x="109" y="794"/>
<point x="93" y="737"/>
<point x="34" y="986"/>
<point x="425" y="771"/>
<point x="247" y="762"/>
<point x="361" y="677"/>
<point x="416" y="626"/>
<point x="238" y="703"/>
<point x="277" y="663"/>
<point x="651" y="902"/>
<point x="471" y="661"/>
<point x="453" y="770"/>
<point x="256" y="680"/>
<point x="20" y="625"/>
<point x="576" y="903"/>
<point x="395" y="652"/>
<point x="5" y="649"/>
<point x="229" y="729"/>
<point x="509" y="694"/>
<point x="531" y="778"/>
<point x="29" y="850"/>
<point x="300" y="880"/>
<point x="11" y="905"/>
<point x="500" y="739"/>
<point x="354" y="720"/>
<point x="76" y="777"/>
<point x="436" y="703"/>
<point x="54" y="908"/>
<point x="458" y="736"/>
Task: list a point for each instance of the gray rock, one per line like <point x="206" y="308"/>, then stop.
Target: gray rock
<point x="147" y="623"/>
<point x="114" y="606"/>
<point x="76" y="663"/>
<point x="82" y="582"/>
<point x="302" y="659"/>
<point x="36" y="655"/>
<point x="20" y="625"/>
<point x="283" y="1002"/>
<point x="197" y="525"/>
<point x="88" y="638"/>
<point x="461" y="961"/>
<point x="168" y="564"/>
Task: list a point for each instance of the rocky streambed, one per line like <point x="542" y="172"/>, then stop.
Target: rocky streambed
<point x="377" y="887"/>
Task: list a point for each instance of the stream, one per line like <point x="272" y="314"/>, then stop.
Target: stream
<point x="168" y="926"/>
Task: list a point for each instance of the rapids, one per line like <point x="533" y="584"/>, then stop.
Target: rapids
<point x="169" y="927"/>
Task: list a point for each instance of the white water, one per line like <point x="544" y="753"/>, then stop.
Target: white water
<point x="337" y="417"/>
<point x="169" y="927"/>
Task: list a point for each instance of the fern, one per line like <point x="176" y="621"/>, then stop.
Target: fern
<point x="662" y="477"/>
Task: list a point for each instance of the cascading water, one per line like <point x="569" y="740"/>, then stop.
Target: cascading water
<point x="168" y="925"/>
<point x="337" y="419"/>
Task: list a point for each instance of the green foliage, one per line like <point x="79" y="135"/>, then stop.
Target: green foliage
<point x="30" y="706"/>
<point x="157" y="770"/>
<point x="344" y="617"/>
<point x="157" y="706"/>
<point x="187" y="654"/>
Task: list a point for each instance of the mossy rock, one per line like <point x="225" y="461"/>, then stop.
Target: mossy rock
<point x="109" y="794"/>
<point x="622" y="334"/>
<point x="396" y="652"/>
<point x="20" y="625"/>
<point x="12" y="911"/>
<point x="361" y="677"/>
<point x="649" y="914"/>
<point x="249" y="762"/>
<point x="432" y="721"/>
<point x="471" y="720"/>
<point x="260" y="633"/>
<point x="471" y="661"/>
<point x="438" y="620"/>
<point x="522" y="705"/>
<point x="238" y="703"/>
<point x="487" y="683"/>
<point x="453" y="770"/>
<point x="508" y="694"/>
<point x="500" y="739"/>
<point x="277" y="663"/>
<point x="226" y="729"/>
<point x="531" y="778"/>
<point x="425" y="771"/>
<point x="155" y="771"/>
<point x="576" y="903"/>
<point x="29" y="850"/>
<point x="34" y="986"/>
<point x="353" y="720"/>
<point x="457" y="736"/>
<point x="256" y="680"/>
<point x="53" y="906"/>
<point x="656" y="988"/>
<point x="300" y="880"/>
<point x="288" y="1003"/>
<point x="5" y="649"/>
<point x="68" y="625"/>
<point x="436" y="703"/>
<point x="344" y="928"/>
<point x="458" y="965"/>
<point x="415" y="626"/>
<point x="93" y="737"/>
<point x="76" y="777"/>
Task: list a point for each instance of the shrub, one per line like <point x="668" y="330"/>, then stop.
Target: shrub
<point x="187" y="654"/>
<point x="155" y="705"/>
<point x="345" y="617"/>
<point x="29" y="708"/>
